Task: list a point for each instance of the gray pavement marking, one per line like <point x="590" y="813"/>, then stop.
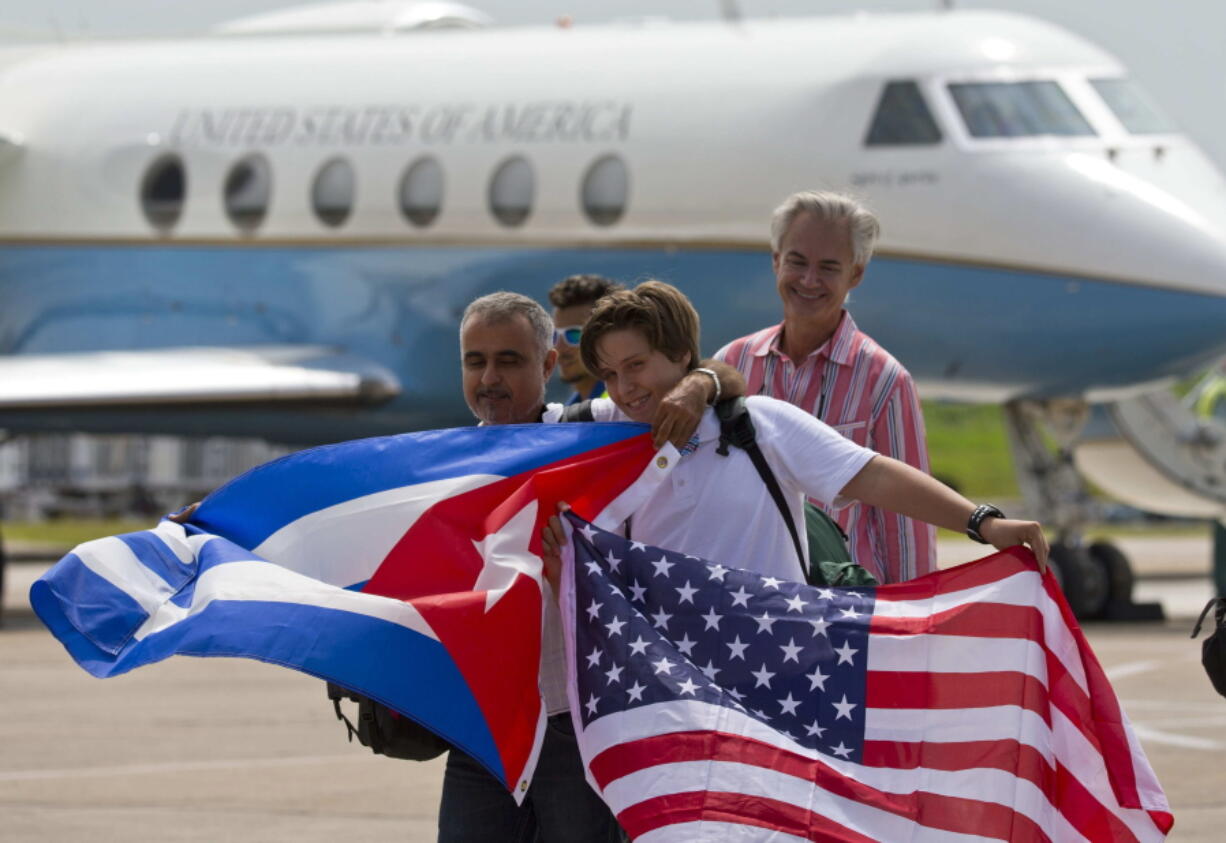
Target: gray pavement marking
<point x="1146" y="733"/>
<point x="174" y="767"/>
<point x="1132" y="669"/>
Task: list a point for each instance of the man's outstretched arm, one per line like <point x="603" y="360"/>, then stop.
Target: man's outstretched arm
<point x="896" y="486"/>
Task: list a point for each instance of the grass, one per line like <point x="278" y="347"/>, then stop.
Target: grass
<point x="968" y="449"/>
<point x="68" y="532"/>
<point x="1112" y="532"/>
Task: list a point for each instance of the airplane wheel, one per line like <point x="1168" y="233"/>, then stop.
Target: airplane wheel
<point x="1083" y="578"/>
<point x="1120" y="578"/>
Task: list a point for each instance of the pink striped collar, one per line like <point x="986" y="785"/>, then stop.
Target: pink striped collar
<point x="838" y="348"/>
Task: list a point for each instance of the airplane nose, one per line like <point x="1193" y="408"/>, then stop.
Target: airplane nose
<point x="1160" y="225"/>
<point x="1157" y="224"/>
<point x="1098" y="280"/>
<point x="1182" y="170"/>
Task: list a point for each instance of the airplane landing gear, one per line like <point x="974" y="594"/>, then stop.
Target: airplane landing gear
<point x="1096" y="578"/>
<point x="3" y="560"/>
<point x="1082" y="578"/>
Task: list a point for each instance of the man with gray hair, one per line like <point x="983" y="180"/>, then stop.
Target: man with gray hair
<point x="506" y="358"/>
<point x="818" y="360"/>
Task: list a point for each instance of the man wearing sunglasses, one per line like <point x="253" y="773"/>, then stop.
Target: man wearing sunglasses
<point x="573" y="299"/>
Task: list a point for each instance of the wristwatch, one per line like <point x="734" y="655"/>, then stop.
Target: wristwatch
<point x="714" y="377"/>
<point x="984" y="510"/>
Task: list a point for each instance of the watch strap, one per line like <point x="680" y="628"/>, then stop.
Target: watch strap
<point x="984" y="510"/>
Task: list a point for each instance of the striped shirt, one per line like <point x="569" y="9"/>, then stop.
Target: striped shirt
<point x="859" y="389"/>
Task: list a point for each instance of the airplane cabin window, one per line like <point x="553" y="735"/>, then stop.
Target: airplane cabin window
<point x="606" y="186"/>
<point x="332" y="192"/>
<point x="902" y="118"/>
<point x="1018" y="109"/>
<point x="512" y="191"/>
<point x="247" y="192"/>
<point x="1132" y="108"/>
<point x="421" y="191"/>
<point x="163" y="191"/>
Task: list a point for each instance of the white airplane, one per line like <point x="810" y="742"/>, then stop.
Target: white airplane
<point x="272" y="229"/>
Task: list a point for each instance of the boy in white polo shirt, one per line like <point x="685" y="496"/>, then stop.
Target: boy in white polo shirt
<point x="640" y="342"/>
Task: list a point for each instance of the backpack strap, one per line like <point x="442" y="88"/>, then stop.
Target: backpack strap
<point x="736" y="428"/>
<point x="336" y="693"/>
<point x="580" y="412"/>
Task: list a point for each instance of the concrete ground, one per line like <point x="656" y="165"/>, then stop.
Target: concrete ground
<point x="219" y="750"/>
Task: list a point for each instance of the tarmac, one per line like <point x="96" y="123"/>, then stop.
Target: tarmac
<point x="234" y="750"/>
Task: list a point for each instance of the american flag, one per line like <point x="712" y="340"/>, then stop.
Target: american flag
<point x="712" y="703"/>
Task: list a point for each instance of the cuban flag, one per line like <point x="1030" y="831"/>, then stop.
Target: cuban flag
<point x="405" y="568"/>
<point x="715" y="704"/>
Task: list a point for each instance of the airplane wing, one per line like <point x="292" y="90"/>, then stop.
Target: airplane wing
<point x="197" y="375"/>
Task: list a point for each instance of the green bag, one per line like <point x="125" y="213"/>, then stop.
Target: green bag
<point x="829" y="560"/>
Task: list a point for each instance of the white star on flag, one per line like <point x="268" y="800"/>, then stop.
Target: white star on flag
<point x="663" y="666"/>
<point x="844" y="708"/>
<point x="763" y="677"/>
<point x="791" y="651"/>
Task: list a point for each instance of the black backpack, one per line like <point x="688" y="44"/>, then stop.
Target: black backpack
<point x="385" y="731"/>
<point x="830" y="561"/>
<point x="1213" y="649"/>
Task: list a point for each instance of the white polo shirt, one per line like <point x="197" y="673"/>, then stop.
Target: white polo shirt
<point x="718" y="507"/>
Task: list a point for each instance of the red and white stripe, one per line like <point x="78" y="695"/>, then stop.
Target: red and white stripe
<point x="987" y="718"/>
<point x="871" y="400"/>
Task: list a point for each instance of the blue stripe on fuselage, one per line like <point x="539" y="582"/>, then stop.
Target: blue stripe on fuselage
<point x="1037" y="333"/>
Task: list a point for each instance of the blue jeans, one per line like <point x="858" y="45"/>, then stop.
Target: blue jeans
<point x="560" y="806"/>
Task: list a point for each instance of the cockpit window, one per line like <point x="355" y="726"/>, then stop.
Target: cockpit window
<point x="1132" y="107"/>
<point x="902" y="117"/>
<point x="1017" y="109"/>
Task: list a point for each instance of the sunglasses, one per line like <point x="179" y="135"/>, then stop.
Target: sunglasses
<point x="569" y="335"/>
